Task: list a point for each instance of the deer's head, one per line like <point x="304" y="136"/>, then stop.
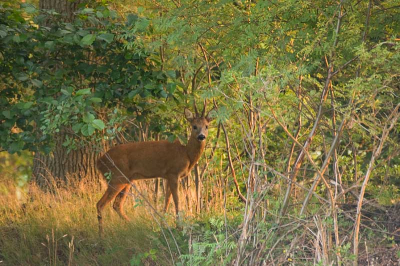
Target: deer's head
<point x="199" y="122"/>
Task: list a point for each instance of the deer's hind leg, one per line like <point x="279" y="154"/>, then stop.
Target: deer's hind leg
<point x="111" y="192"/>
<point x="120" y="200"/>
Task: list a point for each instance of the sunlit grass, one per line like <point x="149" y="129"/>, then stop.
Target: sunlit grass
<point x="61" y="229"/>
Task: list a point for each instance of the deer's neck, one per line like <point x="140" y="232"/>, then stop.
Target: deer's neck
<point x="194" y="149"/>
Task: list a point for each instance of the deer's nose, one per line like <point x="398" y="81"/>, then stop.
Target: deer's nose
<point x="201" y="137"/>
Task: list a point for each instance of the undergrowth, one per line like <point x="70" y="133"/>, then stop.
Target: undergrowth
<point x="61" y="229"/>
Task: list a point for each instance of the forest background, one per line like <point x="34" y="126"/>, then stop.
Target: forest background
<point x="302" y="162"/>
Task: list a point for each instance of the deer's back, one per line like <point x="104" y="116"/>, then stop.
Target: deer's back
<point x="145" y="159"/>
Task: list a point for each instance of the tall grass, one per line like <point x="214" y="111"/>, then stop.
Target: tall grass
<point x="61" y="229"/>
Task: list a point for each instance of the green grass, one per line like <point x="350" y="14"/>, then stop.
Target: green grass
<point x="62" y="229"/>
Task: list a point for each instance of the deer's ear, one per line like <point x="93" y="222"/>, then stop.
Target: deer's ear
<point x="189" y="115"/>
<point x="211" y="115"/>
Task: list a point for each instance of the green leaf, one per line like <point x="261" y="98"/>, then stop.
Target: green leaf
<point x="88" y="39"/>
<point x="93" y="20"/>
<point x="132" y="18"/>
<point x="142" y="24"/>
<point x="27" y="7"/>
<point x="65" y="92"/>
<point x="88" y="118"/>
<point x="133" y="93"/>
<point x="70" y="27"/>
<point x="22" y="76"/>
<point x="87" y="130"/>
<point x="171" y="73"/>
<point x="163" y="94"/>
<point x="3" y="34"/>
<point x="37" y="83"/>
<point x="99" y="14"/>
<point x="171" y="87"/>
<point x="16" y="38"/>
<point x="145" y="93"/>
<point x="77" y="127"/>
<point x="88" y="10"/>
<point x="95" y="100"/>
<point x="46" y="149"/>
<point x="102" y="69"/>
<point x="27" y="105"/>
<point x="108" y="37"/>
<point x="82" y="32"/>
<point x="115" y="74"/>
<point x="98" y="124"/>
<point x="171" y="138"/>
<point x="49" y="44"/>
<point x="30" y="9"/>
<point x="7" y="114"/>
<point x="64" y="32"/>
<point x="106" y="13"/>
<point x="83" y="92"/>
<point x="16" y="146"/>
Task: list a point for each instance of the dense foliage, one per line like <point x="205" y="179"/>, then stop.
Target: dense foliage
<point x="65" y="75"/>
<point x="308" y="96"/>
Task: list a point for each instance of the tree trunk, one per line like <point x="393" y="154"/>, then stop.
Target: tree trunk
<point x="62" y="168"/>
<point x="65" y="8"/>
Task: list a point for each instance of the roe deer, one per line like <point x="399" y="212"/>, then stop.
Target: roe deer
<point x="152" y="159"/>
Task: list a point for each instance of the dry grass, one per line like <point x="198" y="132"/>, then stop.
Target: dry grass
<point x="61" y="229"/>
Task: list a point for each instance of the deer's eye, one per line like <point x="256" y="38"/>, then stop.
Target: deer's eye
<point x="194" y="127"/>
<point x="206" y="127"/>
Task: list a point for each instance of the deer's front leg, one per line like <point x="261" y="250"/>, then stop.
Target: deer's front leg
<point x="173" y="186"/>
<point x="167" y="197"/>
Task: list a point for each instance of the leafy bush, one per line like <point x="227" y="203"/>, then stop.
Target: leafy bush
<point x="59" y="75"/>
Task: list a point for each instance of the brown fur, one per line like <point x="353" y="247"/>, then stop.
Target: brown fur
<point x="153" y="159"/>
